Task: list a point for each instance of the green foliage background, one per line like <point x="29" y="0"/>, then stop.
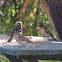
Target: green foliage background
<point x="3" y="58"/>
<point x="31" y="14"/>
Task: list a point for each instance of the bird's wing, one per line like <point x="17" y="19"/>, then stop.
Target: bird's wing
<point x="22" y="38"/>
<point x="48" y="31"/>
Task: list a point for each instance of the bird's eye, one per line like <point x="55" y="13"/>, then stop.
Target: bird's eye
<point x="14" y="30"/>
<point x="42" y="25"/>
<point x="19" y="31"/>
<point x="19" y="24"/>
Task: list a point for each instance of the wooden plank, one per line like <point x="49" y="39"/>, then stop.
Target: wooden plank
<point x="28" y="49"/>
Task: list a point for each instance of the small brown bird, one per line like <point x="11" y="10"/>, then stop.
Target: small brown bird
<point x="44" y="31"/>
<point x="20" y="38"/>
<point x="17" y="29"/>
<point x="16" y="33"/>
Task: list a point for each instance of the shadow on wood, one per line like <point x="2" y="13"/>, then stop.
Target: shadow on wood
<point x="34" y="58"/>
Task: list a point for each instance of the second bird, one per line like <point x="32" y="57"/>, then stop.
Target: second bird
<point x="44" y="31"/>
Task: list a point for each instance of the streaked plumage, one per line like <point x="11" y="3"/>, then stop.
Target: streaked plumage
<point x="20" y="38"/>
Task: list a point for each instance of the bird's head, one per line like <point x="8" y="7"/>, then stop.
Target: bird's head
<point x="40" y="24"/>
<point x="19" y="23"/>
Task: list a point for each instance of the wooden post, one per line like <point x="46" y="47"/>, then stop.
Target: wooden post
<point x="53" y="9"/>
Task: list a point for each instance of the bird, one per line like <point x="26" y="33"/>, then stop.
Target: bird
<point x="44" y="31"/>
<point x="17" y="29"/>
<point x="20" y="38"/>
<point x="16" y="34"/>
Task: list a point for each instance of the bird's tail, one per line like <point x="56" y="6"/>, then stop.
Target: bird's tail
<point x="10" y="38"/>
<point x="27" y="40"/>
<point x="54" y="39"/>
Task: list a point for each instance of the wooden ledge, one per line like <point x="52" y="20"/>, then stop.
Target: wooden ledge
<point x="42" y="48"/>
<point x="28" y="49"/>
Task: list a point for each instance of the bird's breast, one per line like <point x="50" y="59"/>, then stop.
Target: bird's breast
<point x="44" y="33"/>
